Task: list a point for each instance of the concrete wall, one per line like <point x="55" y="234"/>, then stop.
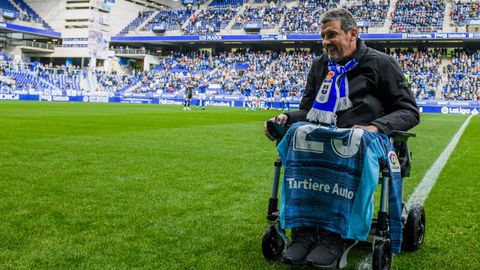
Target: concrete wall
<point x="52" y="11"/>
<point x="122" y="14"/>
<point x="150" y="60"/>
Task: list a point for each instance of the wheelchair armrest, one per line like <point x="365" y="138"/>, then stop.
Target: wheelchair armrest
<point x="276" y="130"/>
<point x="401" y="136"/>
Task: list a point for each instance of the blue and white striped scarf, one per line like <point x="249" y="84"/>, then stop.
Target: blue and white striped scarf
<point x="333" y="94"/>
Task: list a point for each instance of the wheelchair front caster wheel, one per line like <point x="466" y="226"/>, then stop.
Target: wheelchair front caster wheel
<point x="382" y="255"/>
<point x="414" y="232"/>
<point x="272" y="243"/>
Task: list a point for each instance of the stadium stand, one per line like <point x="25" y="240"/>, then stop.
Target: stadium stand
<point x="228" y="70"/>
<point x="304" y="17"/>
<point x="463" y="76"/>
<point x="301" y="16"/>
<point x="228" y="73"/>
<point x="170" y="19"/>
<point x="211" y="20"/>
<point x="224" y="73"/>
<point x="269" y="16"/>
<point x="142" y="16"/>
<point x="369" y="13"/>
<point x="28" y="14"/>
<point x="414" y="16"/>
<point x="38" y="76"/>
<point x="6" y="5"/>
<point x="464" y="11"/>
<point x="423" y="67"/>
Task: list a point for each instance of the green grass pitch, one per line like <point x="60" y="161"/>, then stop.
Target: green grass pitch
<point x="123" y="186"/>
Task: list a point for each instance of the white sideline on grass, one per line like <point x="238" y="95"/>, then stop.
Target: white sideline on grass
<point x="420" y="195"/>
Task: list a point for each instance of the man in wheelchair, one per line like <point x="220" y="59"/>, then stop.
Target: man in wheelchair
<point x="349" y="86"/>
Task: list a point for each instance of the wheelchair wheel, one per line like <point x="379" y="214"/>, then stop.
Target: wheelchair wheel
<point x="414" y="232"/>
<point x="382" y="256"/>
<point x="272" y="243"/>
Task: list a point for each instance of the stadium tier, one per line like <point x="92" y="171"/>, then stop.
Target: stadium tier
<point x="402" y="16"/>
<point x="370" y="13"/>
<point x="142" y="16"/>
<point x="5" y="4"/>
<point x="19" y="10"/>
<point x="465" y="11"/>
<point x="170" y="19"/>
<point x="303" y="18"/>
<point x="463" y="76"/>
<point x="228" y="48"/>
<point x="418" y="16"/>
<point x="269" y="17"/>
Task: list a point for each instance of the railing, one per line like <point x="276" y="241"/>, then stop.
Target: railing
<point x="33" y="44"/>
<point x="135" y="51"/>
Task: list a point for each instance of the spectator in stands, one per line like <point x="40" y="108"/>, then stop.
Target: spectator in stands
<point x="303" y="18"/>
<point x="380" y="102"/>
<point x="462" y="11"/>
<point x="414" y="16"/>
<point x="210" y="20"/>
<point x="463" y="76"/>
<point x="423" y="69"/>
<point x="369" y="11"/>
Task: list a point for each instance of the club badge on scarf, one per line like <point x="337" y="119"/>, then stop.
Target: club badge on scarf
<point x="333" y="94"/>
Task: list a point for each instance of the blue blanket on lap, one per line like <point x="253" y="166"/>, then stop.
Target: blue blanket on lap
<point x="330" y="177"/>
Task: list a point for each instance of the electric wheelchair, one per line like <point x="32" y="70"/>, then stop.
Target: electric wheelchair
<point x="413" y="220"/>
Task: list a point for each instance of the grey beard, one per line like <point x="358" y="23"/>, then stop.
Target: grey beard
<point x="334" y="59"/>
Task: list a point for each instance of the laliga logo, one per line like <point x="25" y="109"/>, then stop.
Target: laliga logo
<point x="459" y="110"/>
<point x="393" y="161"/>
<point x="444" y="110"/>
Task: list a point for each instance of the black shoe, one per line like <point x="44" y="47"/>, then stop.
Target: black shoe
<point x="327" y="253"/>
<point x="303" y="240"/>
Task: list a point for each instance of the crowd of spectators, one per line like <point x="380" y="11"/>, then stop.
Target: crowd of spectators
<point x="463" y="76"/>
<point x="369" y="13"/>
<point x="232" y="73"/>
<point x="413" y="16"/>
<point x="112" y="82"/>
<point x="210" y="20"/>
<point x="19" y="75"/>
<point x="269" y="16"/>
<point x="220" y="72"/>
<point x="422" y="68"/>
<point x="462" y="11"/>
<point x="304" y="18"/>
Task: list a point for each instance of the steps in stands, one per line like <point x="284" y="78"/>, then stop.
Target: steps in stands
<point x="388" y="19"/>
<point x="448" y="25"/>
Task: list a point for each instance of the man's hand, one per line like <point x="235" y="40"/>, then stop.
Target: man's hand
<point x="279" y="119"/>
<point x="370" y="128"/>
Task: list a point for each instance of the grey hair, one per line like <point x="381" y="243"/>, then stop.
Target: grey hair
<point x="348" y="22"/>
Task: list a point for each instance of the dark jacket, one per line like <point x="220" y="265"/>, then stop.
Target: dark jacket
<point x="378" y="90"/>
